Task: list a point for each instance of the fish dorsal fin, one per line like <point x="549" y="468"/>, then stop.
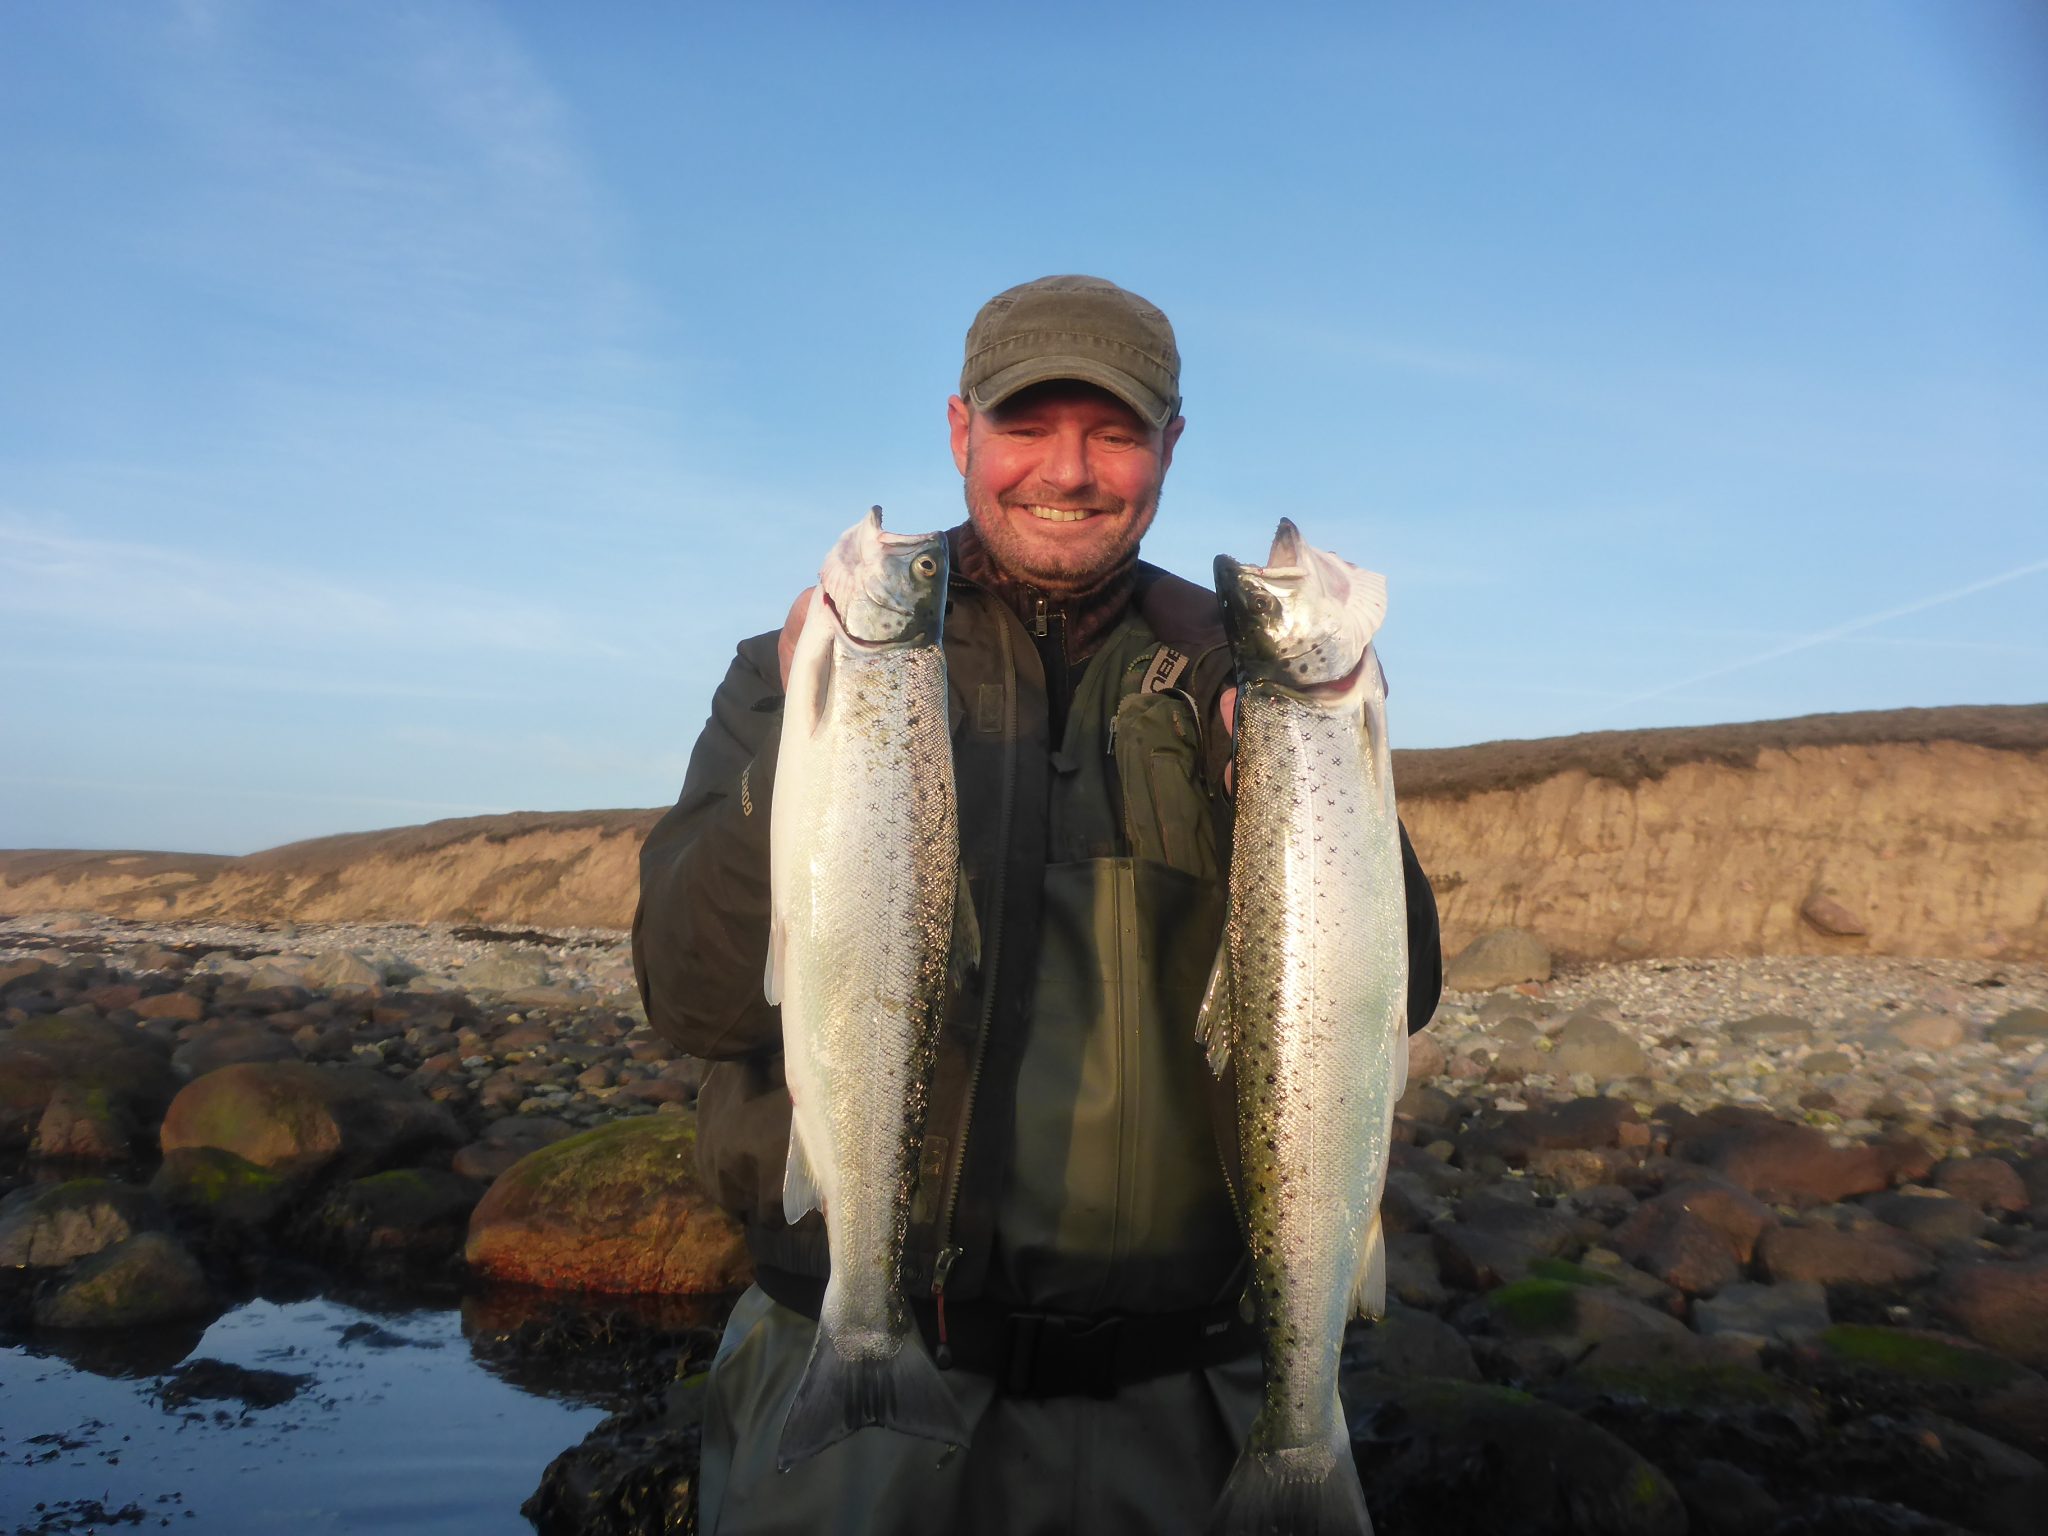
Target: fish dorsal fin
<point x="799" y="1184"/>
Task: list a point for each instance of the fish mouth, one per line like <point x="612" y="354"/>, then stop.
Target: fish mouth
<point x="846" y="634"/>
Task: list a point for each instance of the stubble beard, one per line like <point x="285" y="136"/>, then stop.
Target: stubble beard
<point x="1052" y="568"/>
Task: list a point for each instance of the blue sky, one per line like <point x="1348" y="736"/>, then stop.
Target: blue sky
<point x="404" y="408"/>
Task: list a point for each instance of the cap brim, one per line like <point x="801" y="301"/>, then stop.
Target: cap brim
<point x="994" y="390"/>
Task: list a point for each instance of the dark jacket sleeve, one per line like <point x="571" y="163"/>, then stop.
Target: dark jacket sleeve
<point x="1425" y="940"/>
<point x="700" y="934"/>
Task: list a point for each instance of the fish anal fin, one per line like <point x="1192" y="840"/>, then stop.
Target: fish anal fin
<point x="799" y="1184"/>
<point x="964" y="959"/>
<point x="1214" y="1030"/>
<point x="1369" y="1291"/>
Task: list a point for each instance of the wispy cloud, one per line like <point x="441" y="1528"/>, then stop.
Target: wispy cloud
<point x="98" y="583"/>
<point x="1832" y="634"/>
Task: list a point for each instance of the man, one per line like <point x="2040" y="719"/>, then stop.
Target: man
<point x="1073" y="1250"/>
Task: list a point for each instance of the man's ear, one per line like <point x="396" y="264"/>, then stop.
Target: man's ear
<point x="959" y="416"/>
<point x="1167" y="439"/>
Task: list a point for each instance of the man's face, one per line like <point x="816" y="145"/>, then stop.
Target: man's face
<point x="1062" y="479"/>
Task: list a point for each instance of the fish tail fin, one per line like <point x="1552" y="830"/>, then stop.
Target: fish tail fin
<point x="840" y="1394"/>
<point x="1265" y="1495"/>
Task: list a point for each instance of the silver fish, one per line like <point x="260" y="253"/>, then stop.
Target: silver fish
<point x="1309" y="1000"/>
<point x="864" y="869"/>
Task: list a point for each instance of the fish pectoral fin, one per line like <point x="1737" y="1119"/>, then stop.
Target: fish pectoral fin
<point x="964" y="960"/>
<point x="771" y="978"/>
<point x="799" y="1184"/>
<point x="1213" y="1029"/>
<point x="1369" y="1292"/>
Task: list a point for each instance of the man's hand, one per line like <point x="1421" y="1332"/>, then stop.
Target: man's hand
<point x="793" y="626"/>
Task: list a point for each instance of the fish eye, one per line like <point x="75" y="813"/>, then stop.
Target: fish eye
<point x="925" y="566"/>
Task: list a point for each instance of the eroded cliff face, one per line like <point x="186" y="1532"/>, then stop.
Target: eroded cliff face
<point x="1937" y="848"/>
<point x="1926" y="828"/>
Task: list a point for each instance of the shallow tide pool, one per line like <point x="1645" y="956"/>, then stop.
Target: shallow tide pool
<point x="399" y="1429"/>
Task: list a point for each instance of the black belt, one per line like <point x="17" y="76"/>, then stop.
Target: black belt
<point x="1059" y="1354"/>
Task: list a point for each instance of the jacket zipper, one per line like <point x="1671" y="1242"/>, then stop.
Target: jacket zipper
<point x="992" y="948"/>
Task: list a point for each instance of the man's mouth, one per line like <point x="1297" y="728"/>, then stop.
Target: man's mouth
<point x="1060" y="514"/>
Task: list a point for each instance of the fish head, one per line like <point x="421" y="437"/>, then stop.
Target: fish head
<point x="1304" y="618"/>
<point x="886" y="589"/>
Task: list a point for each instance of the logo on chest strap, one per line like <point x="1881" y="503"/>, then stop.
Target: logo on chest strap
<point x="1162" y="674"/>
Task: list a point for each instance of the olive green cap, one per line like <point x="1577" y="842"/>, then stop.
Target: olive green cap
<point x="1071" y="327"/>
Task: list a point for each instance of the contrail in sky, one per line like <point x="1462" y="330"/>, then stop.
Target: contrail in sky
<point x="1823" y="637"/>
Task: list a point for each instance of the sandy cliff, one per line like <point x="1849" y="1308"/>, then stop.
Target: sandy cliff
<point x="1928" y="829"/>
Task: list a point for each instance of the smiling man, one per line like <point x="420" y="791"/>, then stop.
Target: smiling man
<point x="1072" y="1239"/>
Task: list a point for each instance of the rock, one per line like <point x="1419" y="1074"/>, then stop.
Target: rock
<point x="1873" y="1256"/>
<point x="1498" y="959"/>
<point x="340" y="971"/>
<point x="230" y="1194"/>
<point x="46" y="1226"/>
<point x="1590" y="1044"/>
<point x="296" y="1117"/>
<point x="1826" y="915"/>
<point x="2002" y="1306"/>
<point x="121" y="1065"/>
<point x="614" y="1209"/>
<point x="1768" y="1026"/>
<point x="1790" y="1312"/>
<point x="1921" y="1031"/>
<point x="1575" y="1318"/>
<point x="229" y="1044"/>
<point x="2018" y="1029"/>
<point x="83" y="1125"/>
<point x="1409" y="1343"/>
<point x="404" y="1217"/>
<point x="1425" y="1058"/>
<point x="1917" y="1357"/>
<point x="505" y="1142"/>
<point x="148" y="1278"/>
<point x="1826" y="1063"/>
<point x="1421" y="1447"/>
<point x="1781" y="1162"/>
<point x="1413" y="1277"/>
<point x="508" y="970"/>
<point x="177" y="1007"/>
<point x="1928" y="1216"/>
<point x="1545" y="1231"/>
<point x="1723" y="1500"/>
<point x="1679" y="1248"/>
<point x="1984" y="1182"/>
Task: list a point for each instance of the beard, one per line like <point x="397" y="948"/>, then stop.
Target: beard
<point x="1054" y="563"/>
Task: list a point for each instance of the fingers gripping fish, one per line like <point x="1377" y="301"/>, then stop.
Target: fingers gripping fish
<point x="1308" y="999"/>
<point x="864" y="870"/>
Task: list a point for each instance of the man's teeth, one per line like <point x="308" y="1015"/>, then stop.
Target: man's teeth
<point x="1058" y="514"/>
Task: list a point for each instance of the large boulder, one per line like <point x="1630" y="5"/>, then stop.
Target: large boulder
<point x="1781" y="1162"/>
<point x="294" y="1117"/>
<point x="2004" y="1306"/>
<point x="401" y="1218"/>
<point x="614" y="1209"/>
<point x="1500" y="958"/>
<point x="220" y="1191"/>
<point x="1438" y="1455"/>
<point x="51" y="1225"/>
<point x="149" y="1278"/>
<point x="109" y="1065"/>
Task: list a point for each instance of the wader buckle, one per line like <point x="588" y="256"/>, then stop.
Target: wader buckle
<point x="1051" y="1355"/>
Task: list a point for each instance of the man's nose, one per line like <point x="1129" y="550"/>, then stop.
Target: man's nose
<point x="1065" y="466"/>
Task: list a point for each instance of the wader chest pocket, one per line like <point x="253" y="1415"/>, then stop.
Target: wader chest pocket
<point x="1165" y="806"/>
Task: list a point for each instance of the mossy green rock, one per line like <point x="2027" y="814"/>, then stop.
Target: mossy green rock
<point x="405" y="1215"/>
<point x="1917" y="1355"/>
<point x="130" y="1072"/>
<point x="614" y="1209"/>
<point x="1421" y="1445"/>
<point x="293" y="1116"/>
<point x="47" y="1226"/>
<point x="150" y="1278"/>
<point x="218" y="1187"/>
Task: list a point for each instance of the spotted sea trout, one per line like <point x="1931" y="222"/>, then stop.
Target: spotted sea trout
<point x="864" y="871"/>
<point x="1308" y="1001"/>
